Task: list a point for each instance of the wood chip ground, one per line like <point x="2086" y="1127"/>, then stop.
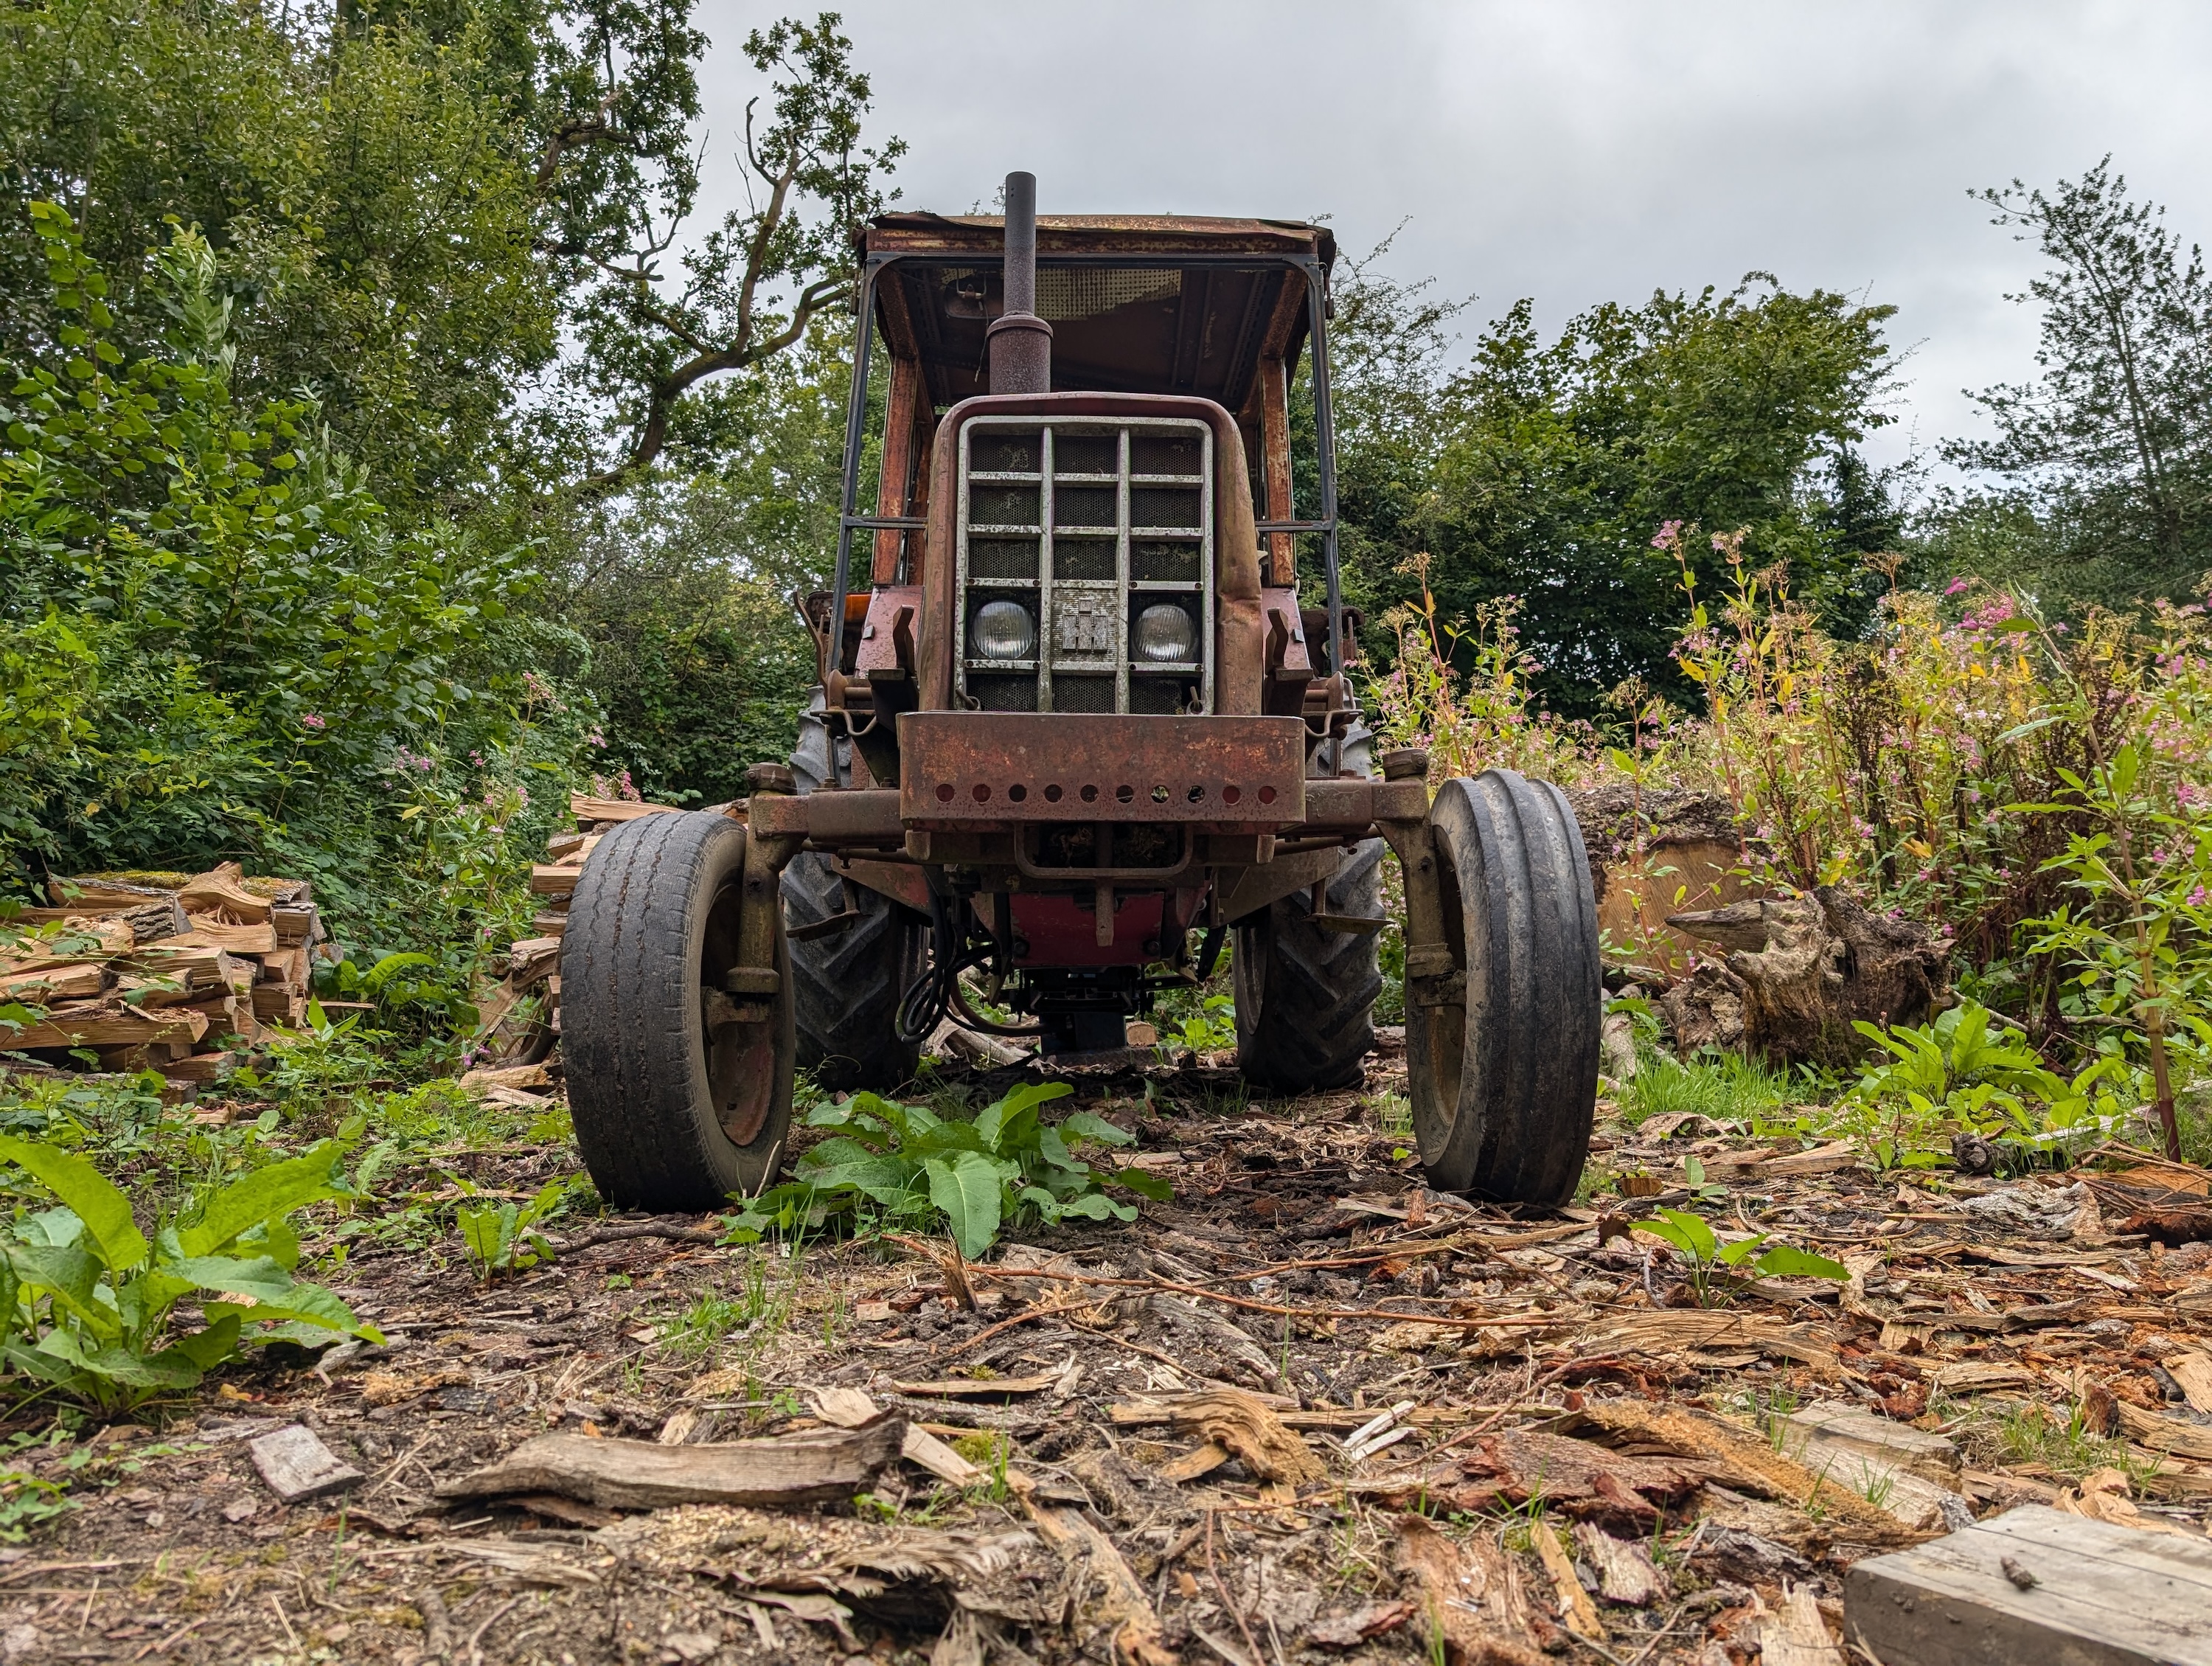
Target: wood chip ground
<point x="1306" y="1412"/>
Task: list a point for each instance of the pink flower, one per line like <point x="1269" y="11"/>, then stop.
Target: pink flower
<point x="314" y="721"/>
<point x="1954" y="586"/>
<point x="1670" y="534"/>
<point x="2197" y="898"/>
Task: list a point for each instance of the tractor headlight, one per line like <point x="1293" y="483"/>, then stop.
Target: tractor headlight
<point x="1004" y="630"/>
<point x="1167" y="634"/>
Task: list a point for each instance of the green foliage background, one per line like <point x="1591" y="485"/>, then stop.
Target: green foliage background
<point x="385" y="453"/>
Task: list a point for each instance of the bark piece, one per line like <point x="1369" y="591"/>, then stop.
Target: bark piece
<point x="1705" y="1009"/>
<point x="1811" y="966"/>
<point x="296" y="1465"/>
<point x="1741" y="1459"/>
<point x="1714" y="1330"/>
<point x="1349" y="1630"/>
<point x="2193" y="1371"/>
<point x="1244" y="1423"/>
<point x="1576" y="1476"/>
<point x="1624" y="1572"/>
<point x="1575" y="1605"/>
<point x="1120" y="1602"/>
<point x="812" y="1467"/>
<point x="1468" y="1596"/>
<point x="843" y="1408"/>
<point x="1796" y="1635"/>
<point x="977" y="1388"/>
<point x="2104" y="1595"/>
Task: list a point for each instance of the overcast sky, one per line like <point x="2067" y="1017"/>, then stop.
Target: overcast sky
<point x="1571" y="150"/>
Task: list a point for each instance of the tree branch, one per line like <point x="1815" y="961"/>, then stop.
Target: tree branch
<point x="574" y="133"/>
<point x="661" y="396"/>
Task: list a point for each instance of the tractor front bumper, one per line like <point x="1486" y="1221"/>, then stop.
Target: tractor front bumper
<point x="973" y="773"/>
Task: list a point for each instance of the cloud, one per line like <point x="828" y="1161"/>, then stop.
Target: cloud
<point x="1574" y="151"/>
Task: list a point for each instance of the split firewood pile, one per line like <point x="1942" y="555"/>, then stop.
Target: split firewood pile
<point x="1306" y="1412"/>
<point x="521" y="1014"/>
<point x="174" y="972"/>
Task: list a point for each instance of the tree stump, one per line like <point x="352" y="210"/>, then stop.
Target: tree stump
<point x="1670" y="850"/>
<point x="1705" y="1009"/>
<point x="1804" y="969"/>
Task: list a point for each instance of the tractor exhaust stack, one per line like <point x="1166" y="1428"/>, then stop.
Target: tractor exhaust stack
<point x="1020" y="341"/>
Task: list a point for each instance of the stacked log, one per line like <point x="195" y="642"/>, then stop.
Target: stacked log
<point x="170" y="971"/>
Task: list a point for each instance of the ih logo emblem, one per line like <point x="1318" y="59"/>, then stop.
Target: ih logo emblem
<point x="1086" y="625"/>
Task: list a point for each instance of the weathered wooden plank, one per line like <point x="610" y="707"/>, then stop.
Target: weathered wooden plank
<point x="812" y="1467"/>
<point x="1824" y="1427"/>
<point x="2078" y="1590"/>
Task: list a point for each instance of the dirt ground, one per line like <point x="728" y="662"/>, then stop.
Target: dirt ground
<point x="1576" y="1470"/>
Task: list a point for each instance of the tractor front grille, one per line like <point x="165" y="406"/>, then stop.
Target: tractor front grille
<point x="1085" y="523"/>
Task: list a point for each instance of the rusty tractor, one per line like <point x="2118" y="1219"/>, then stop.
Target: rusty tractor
<point x="1074" y="729"/>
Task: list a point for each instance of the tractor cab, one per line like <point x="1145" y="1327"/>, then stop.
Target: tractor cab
<point x="1073" y="735"/>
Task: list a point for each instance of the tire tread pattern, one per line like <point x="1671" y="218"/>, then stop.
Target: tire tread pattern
<point x="1520" y="1131"/>
<point x="630" y="1018"/>
<point x="1305" y="997"/>
<point x="846" y="985"/>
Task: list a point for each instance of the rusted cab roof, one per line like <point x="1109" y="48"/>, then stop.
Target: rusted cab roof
<point x="1201" y="303"/>
<point x="1142" y="234"/>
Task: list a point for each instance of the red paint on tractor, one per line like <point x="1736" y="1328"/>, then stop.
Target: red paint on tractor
<point x="1063" y="931"/>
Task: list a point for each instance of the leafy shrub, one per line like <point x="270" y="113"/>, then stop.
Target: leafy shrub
<point x="976" y="1177"/>
<point x="213" y="642"/>
<point x="86" y="1299"/>
<point x="1968" y="1070"/>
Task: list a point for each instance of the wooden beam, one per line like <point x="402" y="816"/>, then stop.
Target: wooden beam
<point x="2036" y="1584"/>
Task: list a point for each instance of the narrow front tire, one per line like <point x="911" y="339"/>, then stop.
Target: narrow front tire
<point x="1502" y="1052"/>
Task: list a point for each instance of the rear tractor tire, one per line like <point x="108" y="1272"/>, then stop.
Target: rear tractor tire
<point x="1305" y="994"/>
<point x="1502" y="1052"/>
<point x="848" y="982"/>
<point x="680" y="1098"/>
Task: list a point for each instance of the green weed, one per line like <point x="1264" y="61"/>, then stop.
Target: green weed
<point x="2029" y="1433"/>
<point x="86" y="1297"/>
<point x="1712" y="1264"/>
<point x="915" y="1164"/>
<point x="503" y="1238"/>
